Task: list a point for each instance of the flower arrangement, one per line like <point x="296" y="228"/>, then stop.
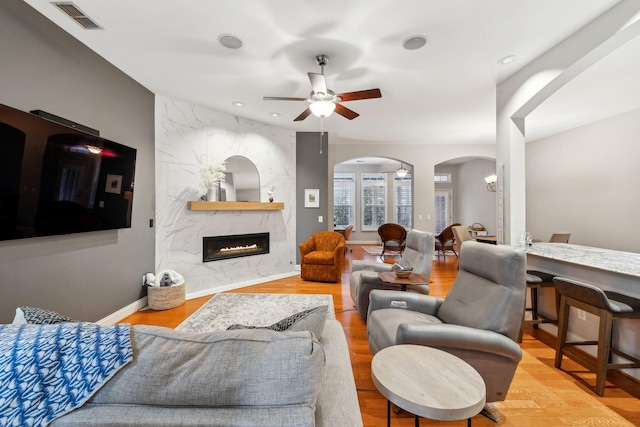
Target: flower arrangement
<point x="213" y="173"/>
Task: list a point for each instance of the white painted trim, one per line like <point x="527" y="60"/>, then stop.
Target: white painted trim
<point x="114" y="318"/>
<point x="140" y="304"/>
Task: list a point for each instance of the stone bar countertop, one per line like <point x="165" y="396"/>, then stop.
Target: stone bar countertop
<point x="604" y="259"/>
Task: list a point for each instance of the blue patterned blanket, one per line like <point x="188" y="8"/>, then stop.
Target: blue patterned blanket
<point x="49" y="370"/>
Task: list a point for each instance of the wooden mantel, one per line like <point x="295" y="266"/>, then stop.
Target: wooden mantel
<point x="235" y="206"/>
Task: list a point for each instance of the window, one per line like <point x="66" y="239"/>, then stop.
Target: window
<point x="373" y="200"/>
<point x="404" y="201"/>
<point x="344" y="192"/>
<point x="443" y="178"/>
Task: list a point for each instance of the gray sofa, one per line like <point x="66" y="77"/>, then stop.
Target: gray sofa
<point x="246" y="377"/>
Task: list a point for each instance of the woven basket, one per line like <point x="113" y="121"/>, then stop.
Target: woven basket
<point x="476" y="226"/>
<point x="165" y="297"/>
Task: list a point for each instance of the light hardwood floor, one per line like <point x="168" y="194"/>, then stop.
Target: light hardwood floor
<point x="540" y="394"/>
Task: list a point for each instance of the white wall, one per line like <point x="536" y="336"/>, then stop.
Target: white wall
<point x="530" y="86"/>
<point x="472" y="201"/>
<point x="188" y="136"/>
<point x="585" y="181"/>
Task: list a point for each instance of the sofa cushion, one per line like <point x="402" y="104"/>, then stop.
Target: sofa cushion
<point x="170" y="416"/>
<point x="319" y="258"/>
<point x="249" y="367"/>
<point x="312" y="320"/>
<point x="382" y="325"/>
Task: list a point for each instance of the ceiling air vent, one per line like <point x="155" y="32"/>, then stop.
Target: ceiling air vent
<point x="77" y="15"/>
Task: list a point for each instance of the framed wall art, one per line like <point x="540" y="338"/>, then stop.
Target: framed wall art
<point x="311" y="198"/>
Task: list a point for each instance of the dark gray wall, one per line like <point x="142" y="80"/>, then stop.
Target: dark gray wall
<point x="91" y="275"/>
<point x="312" y="171"/>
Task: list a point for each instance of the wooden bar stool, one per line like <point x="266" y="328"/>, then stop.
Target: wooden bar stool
<point x="607" y="306"/>
<point x="537" y="280"/>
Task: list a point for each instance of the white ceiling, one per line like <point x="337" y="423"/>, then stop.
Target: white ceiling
<point x="441" y="93"/>
<point x="609" y="87"/>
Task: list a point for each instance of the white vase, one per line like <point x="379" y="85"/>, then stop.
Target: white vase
<point x="212" y="194"/>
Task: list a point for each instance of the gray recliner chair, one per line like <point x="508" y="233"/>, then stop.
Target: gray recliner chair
<point x="478" y="321"/>
<point x="418" y="254"/>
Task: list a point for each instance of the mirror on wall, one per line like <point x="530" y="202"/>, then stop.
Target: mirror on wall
<point x="242" y="181"/>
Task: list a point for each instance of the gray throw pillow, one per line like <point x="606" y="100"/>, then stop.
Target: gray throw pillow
<point x="311" y="320"/>
<point x="41" y="316"/>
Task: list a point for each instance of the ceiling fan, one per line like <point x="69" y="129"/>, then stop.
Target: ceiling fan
<point x="401" y="172"/>
<point x="323" y="101"/>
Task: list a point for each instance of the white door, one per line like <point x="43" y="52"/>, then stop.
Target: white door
<point x="442" y="210"/>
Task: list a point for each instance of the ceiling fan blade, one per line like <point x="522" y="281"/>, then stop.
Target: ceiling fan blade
<point x="282" y="98"/>
<point x="318" y="82"/>
<point x="361" y="94"/>
<point x="345" y="112"/>
<point x="303" y="115"/>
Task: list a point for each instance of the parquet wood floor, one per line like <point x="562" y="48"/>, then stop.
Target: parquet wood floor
<point x="540" y="395"/>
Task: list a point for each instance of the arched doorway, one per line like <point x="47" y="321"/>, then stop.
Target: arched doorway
<point x="369" y="191"/>
<point x="461" y="193"/>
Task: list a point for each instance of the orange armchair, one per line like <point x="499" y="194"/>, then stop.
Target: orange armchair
<point x="322" y="256"/>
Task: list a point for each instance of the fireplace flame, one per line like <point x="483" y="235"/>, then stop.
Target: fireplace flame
<point x="239" y="248"/>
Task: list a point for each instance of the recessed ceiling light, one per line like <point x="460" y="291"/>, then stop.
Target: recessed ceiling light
<point x="229" y="41"/>
<point x="238" y="103"/>
<point x="507" y="60"/>
<point x="274" y="114"/>
<point x="414" y="42"/>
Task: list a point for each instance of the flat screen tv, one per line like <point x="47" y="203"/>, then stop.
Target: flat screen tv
<point x="56" y="179"/>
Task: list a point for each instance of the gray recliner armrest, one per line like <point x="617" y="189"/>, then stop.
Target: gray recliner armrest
<point x="357" y="265"/>
<point x="460" y="338"/>
<point x="426" y="304"/>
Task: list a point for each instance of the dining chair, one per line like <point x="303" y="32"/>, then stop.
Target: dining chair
<point x="445" y="240"/>
<point x="347" y="233"/>
<point x="461" y="234"/>
<point x="393" y="238"/>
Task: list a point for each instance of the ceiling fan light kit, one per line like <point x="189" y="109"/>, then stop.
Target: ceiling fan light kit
<point x="402" y="171"/>
<point x="322" y="101"/>
<point x="322" y="108"/>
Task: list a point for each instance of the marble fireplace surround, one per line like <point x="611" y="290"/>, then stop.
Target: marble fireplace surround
<point x="188" y="136"/>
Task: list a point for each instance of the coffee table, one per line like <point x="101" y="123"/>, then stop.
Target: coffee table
<point x="413" y="279"/>
<point x="428" y="382"/>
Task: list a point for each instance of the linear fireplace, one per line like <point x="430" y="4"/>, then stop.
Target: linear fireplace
<point x="216" y="248"/>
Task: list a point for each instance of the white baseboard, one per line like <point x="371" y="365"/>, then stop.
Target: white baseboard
<point x="140" y="304"/>
<point x="114" y="318"/>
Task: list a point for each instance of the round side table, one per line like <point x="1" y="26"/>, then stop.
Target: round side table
<point x="428" y="382"/>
